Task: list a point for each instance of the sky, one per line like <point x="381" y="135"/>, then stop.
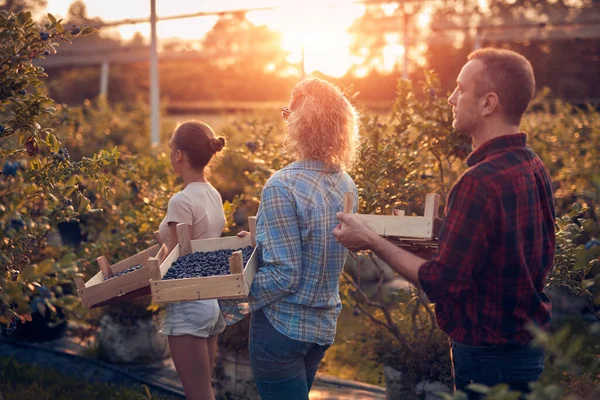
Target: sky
<point x="326" y="43"/>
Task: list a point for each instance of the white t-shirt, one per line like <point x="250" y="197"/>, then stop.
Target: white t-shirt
<point x="199" y="205"/>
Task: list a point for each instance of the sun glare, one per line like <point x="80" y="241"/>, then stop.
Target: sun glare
<point x="318" y="29"/>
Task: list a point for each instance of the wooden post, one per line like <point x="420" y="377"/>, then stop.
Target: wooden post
<point x="236" y="263"/>
<point x="348" y="203"/>
<point x="154" y="269"/>
<point x="183" y="237"/>
<point x="79" y="284"/>
<point x="162" y="253"/>
<point x="432" y="205"/>
<point x="157" y="237"/>
<point x="252" y="227"/>
<point x="104" y="267"/>
<point x="144" y="255"/>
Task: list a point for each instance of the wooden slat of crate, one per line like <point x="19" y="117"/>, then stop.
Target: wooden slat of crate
<point x="208" y="287"/>
<point x="98" y="291"/>
<point x="391" y="225"/>
<point x="407" y="228"/>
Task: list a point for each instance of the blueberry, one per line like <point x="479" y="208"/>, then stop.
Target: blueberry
<point x="592" y="243"/>
<point x="44" y="36"/>
<point x="46" y="53"/>
<point x="10" y="169"/>
<point x="17" y="223"/>
<point x="2" y="129"/>
<point x="22" y="92"/>
<point x="75" y="30"/>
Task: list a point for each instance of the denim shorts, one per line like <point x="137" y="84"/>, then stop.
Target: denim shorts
<point x="200" y="318"/>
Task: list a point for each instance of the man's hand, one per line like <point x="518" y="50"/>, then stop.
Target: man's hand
<point x="355" y="235"/>
<point x="241" y="234"/>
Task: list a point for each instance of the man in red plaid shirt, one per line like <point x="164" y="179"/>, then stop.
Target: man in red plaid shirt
<point x="496" y="244"/>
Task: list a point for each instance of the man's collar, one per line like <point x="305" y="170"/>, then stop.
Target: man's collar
<point x="496" y="144"/>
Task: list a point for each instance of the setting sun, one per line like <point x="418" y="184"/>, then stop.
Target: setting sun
<point x="326" y="44"/>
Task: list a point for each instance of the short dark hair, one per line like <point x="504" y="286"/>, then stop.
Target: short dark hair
<point x="510" y="76"/>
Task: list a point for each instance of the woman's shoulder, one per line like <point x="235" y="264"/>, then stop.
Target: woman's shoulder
<point x="179" y="198"/>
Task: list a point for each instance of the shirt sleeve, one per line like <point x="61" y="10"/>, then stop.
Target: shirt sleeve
<point x="278" y="240"/>
<point x="180" y="210"/>
<point x="464" y="242"/>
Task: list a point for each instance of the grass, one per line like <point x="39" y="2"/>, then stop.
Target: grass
<point x="346" y="358"/>
<point x="20" y="381"/>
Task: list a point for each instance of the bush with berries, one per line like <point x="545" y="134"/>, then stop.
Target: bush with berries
<point x="40" y="185"/>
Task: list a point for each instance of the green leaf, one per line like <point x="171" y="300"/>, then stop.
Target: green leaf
<point x="479" y="388"/>
<point x="52" y="142"/>
<point x="87" y="30"/>
<point x="27" y="273"/>
<point x="51" y="18"/>
<point x="44" y="267"/>
<point x="74" y="179"/>
<point x="69" y="191"/>
<point x="59" y="28"/>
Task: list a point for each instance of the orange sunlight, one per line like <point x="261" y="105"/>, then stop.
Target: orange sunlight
<point x="318" y="26"/>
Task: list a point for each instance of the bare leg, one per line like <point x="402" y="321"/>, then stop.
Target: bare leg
<point x="191" y="358"/>
<point x="212" y="351"/>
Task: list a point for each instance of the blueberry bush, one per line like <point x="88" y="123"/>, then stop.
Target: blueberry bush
<point x="41" y="185"/>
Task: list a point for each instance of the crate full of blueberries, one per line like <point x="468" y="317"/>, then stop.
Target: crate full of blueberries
<point x="125" y="279"/>
<point x="220" y="268"/>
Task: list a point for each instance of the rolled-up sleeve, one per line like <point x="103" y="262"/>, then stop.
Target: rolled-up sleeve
<point x="278" y="240"/>
<point x="464" y="242"/>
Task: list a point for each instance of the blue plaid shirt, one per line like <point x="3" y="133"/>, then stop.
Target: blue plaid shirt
<point x="297" y="281"/>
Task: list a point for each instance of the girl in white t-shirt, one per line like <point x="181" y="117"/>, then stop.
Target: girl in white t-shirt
<point x="192" y="326"/>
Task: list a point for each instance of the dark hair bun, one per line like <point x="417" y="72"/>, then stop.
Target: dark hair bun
<point x="217" y="144"/>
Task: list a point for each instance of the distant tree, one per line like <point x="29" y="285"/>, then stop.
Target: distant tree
<point x="20" y="5"/>
<point x="234" y="40"/>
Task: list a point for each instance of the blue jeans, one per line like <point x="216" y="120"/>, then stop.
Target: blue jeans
<point x="515" y="365"/>
<point x="283" y="368"/>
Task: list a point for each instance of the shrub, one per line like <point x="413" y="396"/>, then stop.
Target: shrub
<point x="40" y="183"/>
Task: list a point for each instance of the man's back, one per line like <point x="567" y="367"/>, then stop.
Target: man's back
<point x="496" y="247"/>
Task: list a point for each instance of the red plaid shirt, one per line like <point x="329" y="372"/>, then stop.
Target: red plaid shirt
<point x="496" y="247"/>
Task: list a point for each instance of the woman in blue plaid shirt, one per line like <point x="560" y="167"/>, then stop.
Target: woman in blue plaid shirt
<point x="294" y="297"/>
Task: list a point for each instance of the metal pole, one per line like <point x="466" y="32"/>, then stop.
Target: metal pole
<point x="303" y="62"/>
<point x="104" y="73"/>
<point x="154" y="81"/>
<point x="405" y="45"/>
<point x="478" y="39"/>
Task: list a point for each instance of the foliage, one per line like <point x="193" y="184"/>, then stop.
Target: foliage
<point x="411" y="152"/>
<point x="20" y="381"/>
<point x="40" y="184"/>
<point x="404" y="335"/>
<point x="573" y="262"/>
<point x="235" y="337"/>
<point x="566" y="139"/>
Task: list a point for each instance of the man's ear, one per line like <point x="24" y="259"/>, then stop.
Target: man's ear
<point x="489" y="103"/>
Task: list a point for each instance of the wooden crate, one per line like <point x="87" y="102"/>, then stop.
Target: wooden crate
<point x="408" y="231"/>
<point x="235" y="285"/>
<point x="100" y="291"/>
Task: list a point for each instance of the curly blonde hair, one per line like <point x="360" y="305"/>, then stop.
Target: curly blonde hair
<point x="322" y="124"/>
